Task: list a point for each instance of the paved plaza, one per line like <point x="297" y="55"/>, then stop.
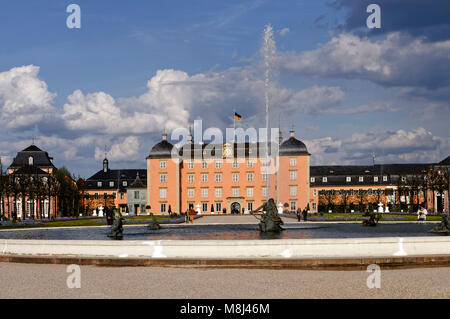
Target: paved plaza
<point x="49" y="281"/>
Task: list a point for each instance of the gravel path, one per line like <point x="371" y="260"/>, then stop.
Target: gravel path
<point x="49" y="281"/>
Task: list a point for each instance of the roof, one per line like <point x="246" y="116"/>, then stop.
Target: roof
<point x="161" y="150"/>
<point x="445" y="161"/>
<point x="337" y="175"/>
<point x="40" y="158"/>
<point x="29" y="170"/>
<point x="117" y="177"/>
<point x="138" y="183"/>
<point x="293" y="147"/>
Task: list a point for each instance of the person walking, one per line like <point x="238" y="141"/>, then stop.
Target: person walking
<point x="191" y="215"/>
<point x="299" y="214"/>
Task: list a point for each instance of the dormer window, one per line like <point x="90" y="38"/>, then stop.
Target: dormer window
<point x="30" y="161"/>
<point x="349" y="179"/>
<point x="385" y="179"/>
<point x="361" y="179"/>
<point x="313" y="179"/>
<point x="111" y="184"/>
<point x="125" y="183"/>
<point x="324" y="179"/>
<point x="375" y="179"/>
<point x="99" y="184"/>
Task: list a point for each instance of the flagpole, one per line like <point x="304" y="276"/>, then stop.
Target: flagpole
<point x="234" y="125"/>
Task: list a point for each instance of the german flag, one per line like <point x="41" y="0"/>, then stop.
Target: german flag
<point x="237" y="116"/>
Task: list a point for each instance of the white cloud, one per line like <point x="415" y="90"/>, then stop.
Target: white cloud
<point x="398" y="60"/>
<point x="125" y="151"/>
<point x="418" y="145"/>
<point x="284" y="31"/>
<point x="24" y="98"/>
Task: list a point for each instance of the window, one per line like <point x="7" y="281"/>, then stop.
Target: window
<point x="265" y="193"/>
<point x="250" y="206"/>
<point x="190" y="178"/>
<point x="250" y="177"/>
<point x="324" y="179"/>
<point x="163" y="178"/>
<point x="99" y="184"/>
<point x="205" y="178"/>
<point x="293" y="190"/>
<point x="313" y="179"/>
<point x="163" y="207"/>
<point x="125" y="183"/>
<point x="265" y="177"/>
<point x="218" y="207"/>
<point x="204" y="192"/>
<point x="111" y="184"/>
<point x="349" y="179"/>
<point x="204" y="165"/>
<point x="122" y="195"/>
<point x="293" y="206"/>
<point x="191" y="192"/>
<point x="218" y="178"/>
<point x="235" y="164"/>
<point x="385" y="178"/>
<point x="361" y="179"/>
<point x="235" y="191"/>
<point x="163" y="164"/>
<point x="293" y="162"/>
<point x="136" y="194"/>
<point x="315" y="192"/>
<point x="96" y="196"/>
<point x="163" y="193"/>
<point x="250" y="192"/>
<point x="293" y="175"/>
<point x="190" y="165"/>
<point x="375" y="179"/>
<point x="403" y="179"/>
<point x="235" y="177"/>
<point x="204" y="207"/>
<point x="30" y="160"/>
<point x="250" y="164"/>
<point x="218" y="165"/>
<point x="314" y="207"/>
<point x="218" y="192"/>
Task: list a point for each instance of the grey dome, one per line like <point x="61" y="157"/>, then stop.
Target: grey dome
<point x="293" y="147"/>
<point x="162" y="150"/>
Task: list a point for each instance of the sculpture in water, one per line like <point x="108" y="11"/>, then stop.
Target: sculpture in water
<point x="117" y="227"/>
<point x="154" y="225"/>
<point x="442" y="228"/>
<point x="270" y="220"/>
<point x="373" y="220"/>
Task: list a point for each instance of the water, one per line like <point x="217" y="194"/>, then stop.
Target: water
<point x="227" y="232"/>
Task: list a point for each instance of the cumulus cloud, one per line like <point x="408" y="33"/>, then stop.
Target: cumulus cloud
<point x="125" y="151"/>
<point x="418" y="145"/>
<point x="399" y="60"/>
<point x="24" y="98"/>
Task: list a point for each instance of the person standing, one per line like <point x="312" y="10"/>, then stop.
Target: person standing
<point x="299" y="214"/>
<point x="305" y="214"/>
<point x="422" y="214"/>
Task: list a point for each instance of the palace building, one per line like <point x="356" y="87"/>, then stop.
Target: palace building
<point x="234" y="181"/>
<point x="30" y="192"/>
<point x="231" y="182"/>
<point x="108" y="187"/>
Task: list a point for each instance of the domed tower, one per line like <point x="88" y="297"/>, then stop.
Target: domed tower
<point x="293" y="176"/>
<point x="163" y="178"/>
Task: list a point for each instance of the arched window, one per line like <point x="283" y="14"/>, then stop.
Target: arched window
<point x="30" y="160"/>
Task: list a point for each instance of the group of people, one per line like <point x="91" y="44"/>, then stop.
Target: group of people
<point x="302" y="213"/>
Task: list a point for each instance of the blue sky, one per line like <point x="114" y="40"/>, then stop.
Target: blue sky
<point x="136" y="68"/>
